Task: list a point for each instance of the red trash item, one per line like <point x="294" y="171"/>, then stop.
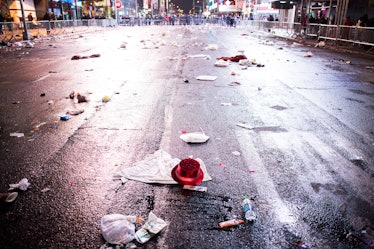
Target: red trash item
<point x="235" y="58"/>
<point x="188" y="172"/>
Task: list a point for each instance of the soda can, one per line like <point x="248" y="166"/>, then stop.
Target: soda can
<point x="64" y="117"/>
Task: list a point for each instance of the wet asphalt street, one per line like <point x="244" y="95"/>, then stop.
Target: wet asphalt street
<point x="295" y="133"/>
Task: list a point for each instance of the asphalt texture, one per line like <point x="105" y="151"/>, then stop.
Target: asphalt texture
<point x="293" y="131"/>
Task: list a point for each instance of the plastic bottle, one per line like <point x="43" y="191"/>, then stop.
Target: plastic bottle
<point x="250" y="215"/>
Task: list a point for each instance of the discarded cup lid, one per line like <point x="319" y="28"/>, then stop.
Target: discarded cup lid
<point x="188" y="172"/>
<point x="11" y="197"/>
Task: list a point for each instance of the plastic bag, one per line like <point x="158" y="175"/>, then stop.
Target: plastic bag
<point x="22" y="185"/>
<point x="118" y="228"/>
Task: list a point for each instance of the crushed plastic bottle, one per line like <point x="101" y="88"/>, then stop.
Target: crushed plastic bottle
<point x="250" y="215"/>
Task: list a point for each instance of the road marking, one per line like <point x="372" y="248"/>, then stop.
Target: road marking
<point x="42" y="78"/>
<point x="267" y="191"/>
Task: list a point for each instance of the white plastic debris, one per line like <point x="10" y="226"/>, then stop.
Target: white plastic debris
<point x="152" y="226"/>
<point x="194" y="137"/>
<point x="320" y="44"/>
<point x="45" y="190"/>
<point x="204" y="56"/>
<point x="226" y="104"/>
<point x="244" y="62"/>
<point x="29" y="44"/>
<point x="309" y="54"/>
<point x="22" y="185"/>
<point x="118" y="228"/>
<point x="75" y="112"/>
<point x="17" y="134"/>
<point x="195" y="188"/>
<point x="211" y="47"/>
<point x="206" y="77"/>
<point x="236" y="153"/>
<point x="221" y="63"/>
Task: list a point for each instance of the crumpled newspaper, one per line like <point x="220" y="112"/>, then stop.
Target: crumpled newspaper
<point x="22" y="185"/>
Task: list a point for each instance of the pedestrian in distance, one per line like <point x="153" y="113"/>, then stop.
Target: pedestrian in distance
<point x="1" y="25"/>
<point x="30" y="18"/>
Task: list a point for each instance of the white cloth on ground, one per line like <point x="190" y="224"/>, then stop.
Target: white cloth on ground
<point x="156" y="168"/>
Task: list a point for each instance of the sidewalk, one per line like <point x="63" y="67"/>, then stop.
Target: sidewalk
<point x="336" y="46"/>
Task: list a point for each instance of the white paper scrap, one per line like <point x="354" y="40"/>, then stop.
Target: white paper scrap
<point x="206" y="77"/>
<point x="195" y="188"/>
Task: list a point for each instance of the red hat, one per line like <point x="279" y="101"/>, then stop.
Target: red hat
<point x="188" y="172"/>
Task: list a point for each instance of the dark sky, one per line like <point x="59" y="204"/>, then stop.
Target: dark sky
<point x="185" y="5"/>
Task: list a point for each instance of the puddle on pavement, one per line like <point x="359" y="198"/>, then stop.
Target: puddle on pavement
<point x="334" y="188"/>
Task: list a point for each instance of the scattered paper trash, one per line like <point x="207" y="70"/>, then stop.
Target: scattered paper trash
<point x="45" y="190"/>
<point x="320" y="44"/>
<point x="75" y="112"/>
<point x="22" y="185"/>
<point x="236" y="153"/>
<point x="195" y="188"/>
<point x="365" y="235"/>
<point x="309" y="54"/>
<point x="17" y="134"/>
<point x="204" y="56"/>
<point x="206" y="77"/>
<point x="152" y="226"/>
<point x="211" y="47"/>
<point x="118" y="228"/>
<point x="221" y="63"/>
<point x="29" y="44"/>
<point x="156" y="168"/>
<point x="194" y="137"/>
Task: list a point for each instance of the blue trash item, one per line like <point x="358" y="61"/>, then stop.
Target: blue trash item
<point x="64" y="117"/>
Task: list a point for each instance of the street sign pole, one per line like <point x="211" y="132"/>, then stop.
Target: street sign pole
<point x="26" y="34"/>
